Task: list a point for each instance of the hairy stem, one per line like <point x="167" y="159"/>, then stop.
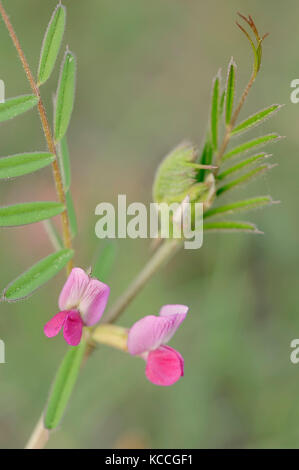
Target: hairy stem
<point x="67" y="239"/>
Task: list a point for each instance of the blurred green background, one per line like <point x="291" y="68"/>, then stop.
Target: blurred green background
<point x="144" y="80"/>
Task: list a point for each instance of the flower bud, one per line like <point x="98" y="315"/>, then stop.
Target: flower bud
<point x="177" y="177"/>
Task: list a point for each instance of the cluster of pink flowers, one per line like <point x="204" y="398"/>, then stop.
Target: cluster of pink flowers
<point x="82" y="302"/>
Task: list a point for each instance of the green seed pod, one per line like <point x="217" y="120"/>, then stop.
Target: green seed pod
<point x="176" y="177"/>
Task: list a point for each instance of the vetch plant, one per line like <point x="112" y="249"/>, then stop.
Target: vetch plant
<point x="186" y="174"/>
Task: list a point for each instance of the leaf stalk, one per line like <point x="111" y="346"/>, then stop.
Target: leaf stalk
<point x="66" y="231"/>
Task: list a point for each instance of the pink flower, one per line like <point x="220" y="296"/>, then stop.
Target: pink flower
<point x="82" y="302"/>
<point x="148" y="337"/>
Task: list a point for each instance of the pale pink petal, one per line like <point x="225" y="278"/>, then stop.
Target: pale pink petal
<point x="151" y="332"/>
<point x="73" y="289"/>
<point x="164" y="366"/>
<point x="73" y="327"/>
<point x="94" y="301"/>
<point x="53" y="326"/>
<point x="177" y="313"/>
<point x="174" y="309"/>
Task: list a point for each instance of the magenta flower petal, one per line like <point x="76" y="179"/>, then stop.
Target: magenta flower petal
<point x="151" y="331"/>
<point x="53" y="326"/>
<point x="164" y="366"/>
<point x="73" y="327"/>
<point x="73" y="289"/>
<point x="94" y="301"/>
